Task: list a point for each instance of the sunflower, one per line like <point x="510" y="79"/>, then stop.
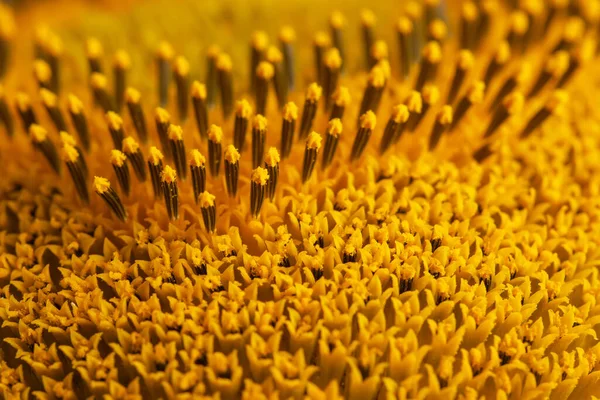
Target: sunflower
<point x="299" y="199"/>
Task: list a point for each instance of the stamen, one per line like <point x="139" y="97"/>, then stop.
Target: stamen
<point x="334" y="131"/>
<point x="155" y="166"/>
<point x="333" y="64"/>
<point x="272" y="166"/>
<point x="50" y="102"/>
<point x="115" y="127"/>
<point x="473" y="96"/>
<point x="414" y="11"/>
<point x="553" y="106"/>
<point x="431" y="10"/>
<point x="68" y="139"/>
<point x="224" y="67"/>
<point x="464" y="65"/>
<point x="313" y="94"/>
<point x="215" y="137"/>
<point x="122" y="64"/>
<point x="264" y="74"/>
<point x="258" y="186"/>
<point x="313" y="145"/>
<point x="321" y="44"/>
<point x="182" y="82"/>
<point x="337" y="22"/>
<point x="258" y="47"/>
<point x="519" y="25"/>
<point x="101" y="95"/>
<point x="468" y="25"/>
<point x="211" y="75"/>
<point x="131" y="148"/>
<point x="110" y="196"/>
<point x="71" y="157"/>
<point x="367" y="124"/>
<point x="574" y="29"/>
<point x="240" y="127"/>
<point x="489" y="9"/>
<point x="499" y="60"/>
<point x="94" y="52"/>
<point x="432" y="56"/>
<point x="163" y="120"/>
<point x="341" y="99"/>
<point x="232" y="169"/>
<point x="511" y="105"/>
<point x="431" y="96"/>
<point x="259" y="139"/>
<point x="290" y="116"/>
<point x="117" y="159"/>
<point x="275" y="58"/>
<point x="580" y="56"/>
<point x="209" y="211"/>
<point x="163" y="65"/>
<point x="482" y="153"/>
<point x="287" y="37"/>
<point x="374" y="90"/>
<point x="7" y="34"/>
<point x="414" y="104"/>
<point x="367" y="21"/>
<point x="42" y="73"/>
<point x="6" y="118"/>
<point x="394" y="127"/>
<point x="555" y="8"/>
<point x="523" y="75"/>
<point x="175" y="134"/>
<point x="405" y="30"/>
<point x="79" y="120"/>
<point x="170" y="192"/>
<point x="442" y="123"/>
<point x="200" y="106"/>
<point x="198" y="170"/>
<point x="555" y="67"/>
<point x="136" y="112"/>
<point x="40" y="140"/>
<point x="25" y="111"/>
<point x="437" y="31"/>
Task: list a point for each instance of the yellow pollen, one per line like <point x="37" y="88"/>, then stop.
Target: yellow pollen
<point x="438" y="29"/>
<point x="75" y="105"/>
<point x="313" y="93"/>
<point x="224" y="62"/>
<point x="445" y="115"/>
<point x="168" y="174"/>
<point x="415" y="102"/>
<point x="243" y="109"/>
<point x="165" y="50"/>
<point x="67" y="138"/>
<point x="260" y="40"/>
<point x="558" y="100"/>
<point x="469" y="11"/>
<point x="466" y="60"/>
<point x="574" y="29"/>
<point x="156" y="156"/>
<point x="23" y="102"/>
<point x="332" y="59"/>
<point x="404" y="25"/>
<point x="400" y="113"/>
<point x="322" y="39"/>
<point x="174" y="132"/>
<point x="70" y="154"/>
<point x="341" y="96"/>
<point x="290" y="111"/>
<point x="132" y="95"/>
<point x="162" y="115"/>
<point x="368" y="120"/>
<point x="558" y="63"/>
<point x="335" y="127"/>
<point x="377" y="77"/>
<point x="213" y="51"/>
<point x="231" y="154"/>
<point x="503" y="53"/>
<point x="99" y="81"/>
<point x="117" y="157"/>
<point x="265" y="70"/>
<point x="287" y="34"/>
<point x="476" y="92"/>
<point x="379" y="50"/>
<point x="101" y="185"/>
<point x="519" y="22"/>
<point x="114" y="120"/>
<point x="38" y="133"/>
<point x="514" y="102"/>
<point x="181" y="66"/>
<point x="314" y="141"/>
<point x="274" y="55"/>
<point x="260" y="176"/>
<point x="431" y="94"/>
<point x="130" y="146"/>
<point x="122" y="59"/>
<point x="42" y="71"/>
<point x="259" y="122"/>
<point x="337" y="19"/>
<point x="414" y="10"/>
<point x="367" y="18"/>
<point x="432" y="52"/>
<point x="215" y="134"/>
<point x="196" y="158"/>
<point x="206" y="200"/>
<point x="94" y="48"/>
<point x="48" y="98"/>
<point x="272" y="157"/>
